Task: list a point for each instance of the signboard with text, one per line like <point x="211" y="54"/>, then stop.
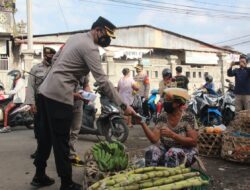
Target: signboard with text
<point x="205" y="58"/>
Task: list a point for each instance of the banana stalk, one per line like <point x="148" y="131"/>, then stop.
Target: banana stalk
<point x="192" y="182"/>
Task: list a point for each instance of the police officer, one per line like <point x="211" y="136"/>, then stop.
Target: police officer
<point x="36" y="76"/>
<point x="142" y="82"/>
<point x="77" y="122"/>
<point x="79" y="56"/>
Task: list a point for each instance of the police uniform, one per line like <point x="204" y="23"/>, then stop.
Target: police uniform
<point x="78" y="57"/>
<point x="36" y="76"/>
<point x="75" y="125"/>
<point x="142" y="81"/>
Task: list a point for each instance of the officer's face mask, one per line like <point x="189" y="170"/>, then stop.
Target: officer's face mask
<point x="49" y="59"/>
<point x="168" y="106"/>
<point x="103" y="39"/>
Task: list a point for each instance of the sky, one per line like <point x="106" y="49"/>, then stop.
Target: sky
<point x="52" y="16"/>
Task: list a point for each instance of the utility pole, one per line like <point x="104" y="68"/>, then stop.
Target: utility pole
<point x="221" y="57"/>
<point x="29" y="52"/>
<point x="29" y="21"/>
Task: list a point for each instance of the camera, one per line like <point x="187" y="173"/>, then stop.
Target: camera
<point x="237" y="63"/>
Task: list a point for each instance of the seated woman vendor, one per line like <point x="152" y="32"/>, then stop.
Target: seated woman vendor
<point x="174" y="136"/>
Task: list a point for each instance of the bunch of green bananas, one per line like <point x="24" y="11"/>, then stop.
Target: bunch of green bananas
<point x="110" y="156"/>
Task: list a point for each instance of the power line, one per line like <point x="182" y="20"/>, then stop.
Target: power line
<point x="219" y="5"/>
<point x="186" y="11"/>
<point x="64" y="18"/>
<point x="233" y="39"/>
<point x="195" y="7"/>
<point x="241" y="43"/>
<point x="165" y="9"/>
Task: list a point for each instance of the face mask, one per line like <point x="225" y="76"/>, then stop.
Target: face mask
<point x="168" y="107"/>
<point x="49" y="60"/>
<point x="104" y="41"/>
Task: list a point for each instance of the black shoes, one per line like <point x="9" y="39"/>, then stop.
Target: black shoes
<point x="42" y="181"/>
<point x="73" y="186"/>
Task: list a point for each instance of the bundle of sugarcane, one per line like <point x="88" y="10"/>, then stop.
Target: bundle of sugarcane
<point x="152" y="178"/>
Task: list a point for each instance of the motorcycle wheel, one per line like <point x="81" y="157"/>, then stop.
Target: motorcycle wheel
<point x="31" y="126"/>
<point x="119" y="131"/>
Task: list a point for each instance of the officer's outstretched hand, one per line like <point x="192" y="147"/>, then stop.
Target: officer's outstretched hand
<point x="77" y="96"/>
<point x="130" y="111"/>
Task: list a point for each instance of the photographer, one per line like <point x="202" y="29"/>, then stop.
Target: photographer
<point x="242" y="83"/>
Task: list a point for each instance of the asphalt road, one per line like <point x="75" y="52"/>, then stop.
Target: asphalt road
<point x="17" y="170"/>
<point x="16" y="166"/>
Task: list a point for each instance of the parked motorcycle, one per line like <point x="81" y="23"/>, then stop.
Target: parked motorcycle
<point x="110" y="122"/>
<point x="228" y="104"/>
<point x="206" y="107"/>
<point x="20" y="116"/>
<point x="152" y="106"/>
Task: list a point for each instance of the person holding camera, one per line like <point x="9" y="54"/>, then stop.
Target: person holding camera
<point x="242" y="83"/>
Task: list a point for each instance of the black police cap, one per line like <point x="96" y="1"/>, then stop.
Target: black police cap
<point x="48" y="50"/>
<point x="104" y="23"/>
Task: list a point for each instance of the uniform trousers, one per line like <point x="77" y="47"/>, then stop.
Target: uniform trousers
<point x="54" y="128"/>
<point x="75" y="127"/>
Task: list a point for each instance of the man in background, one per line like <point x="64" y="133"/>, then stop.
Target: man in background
<point x="242" y="83"/>
<point x="181" y="80"/>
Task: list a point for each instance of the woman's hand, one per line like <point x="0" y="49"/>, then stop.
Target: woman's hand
<point x="166" y="132"/>
<point x="137" y="119"/>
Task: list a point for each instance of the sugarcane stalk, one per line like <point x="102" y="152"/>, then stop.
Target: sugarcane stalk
<point x="112" y="181"/>
<point x="192" y="182"/>
<point x="156" y="181"/>
<point x="99" y="183"/>
<point x="149" y="169"/>
<point x="137" y="171"/>
<point x="152" y="175"/>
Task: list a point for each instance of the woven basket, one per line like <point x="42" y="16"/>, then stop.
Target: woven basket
<point x="236" y="148"/>
<point x="91" y="171"/>
<point x="241" y="122"/>
<point x="209" y="144"/>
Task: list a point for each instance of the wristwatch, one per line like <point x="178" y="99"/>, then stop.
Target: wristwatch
<point x="123" y="106"/>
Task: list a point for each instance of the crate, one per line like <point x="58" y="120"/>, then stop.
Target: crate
<point x="92" y="173"/>
<point x="236" y="147"/>
<point x="209" y="144"/>
<point x="241" y="122"/>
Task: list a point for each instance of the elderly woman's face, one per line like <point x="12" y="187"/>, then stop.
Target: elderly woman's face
<point x="170" y="106"/>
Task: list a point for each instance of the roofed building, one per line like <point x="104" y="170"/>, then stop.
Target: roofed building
<point x="154" y="47"/>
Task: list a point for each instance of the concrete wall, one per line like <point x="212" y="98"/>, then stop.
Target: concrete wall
<point x="151" y="37"/>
